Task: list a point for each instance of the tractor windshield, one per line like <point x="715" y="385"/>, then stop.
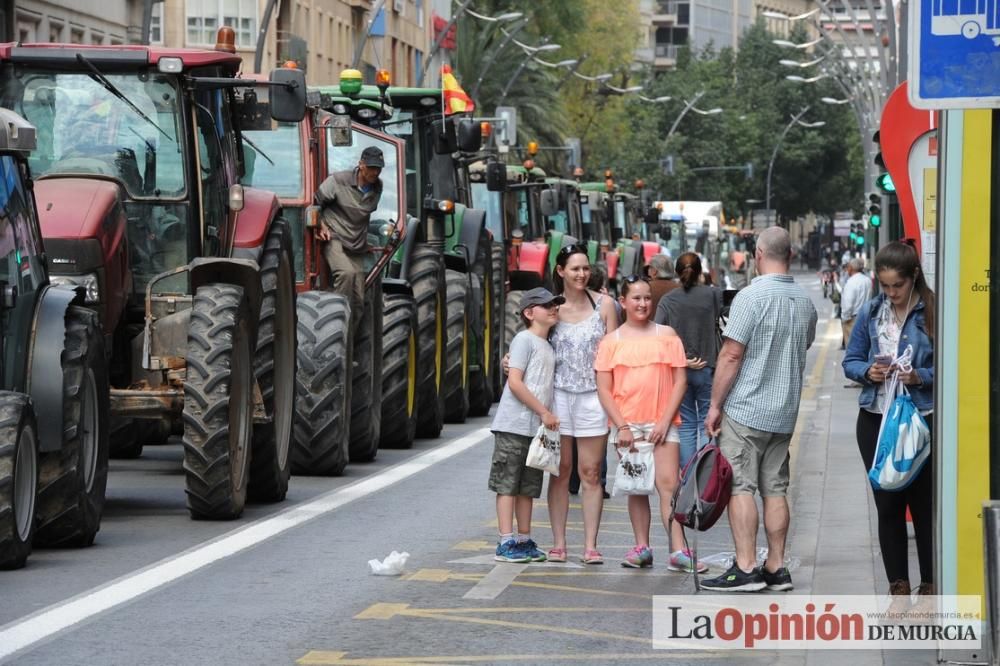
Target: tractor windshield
<point x="274" y="160"/>
<point x="488" y="201"/>
<point x="85" y="129"/>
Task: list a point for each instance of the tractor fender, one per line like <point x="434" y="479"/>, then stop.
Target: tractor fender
<point x="473" y="226"/>
<point x="455" y="256"/>
<point x="555" y="244"/>
<point x="405" y="250"/>
<point x="241" y="272"/>
<point x="612" y="260"/>
<point x="649" y="250"/>
<point x="396" y="286"/>
<point x="253" y="223"/>
<point x="45" y="378"/>
<point x="528" y="265"/>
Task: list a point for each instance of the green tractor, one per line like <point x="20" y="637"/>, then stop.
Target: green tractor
<point x="54" y="391"/>
<point x="447" y="257"/>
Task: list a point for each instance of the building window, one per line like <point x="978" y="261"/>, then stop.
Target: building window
<point x="420" y="13"/>
<point x="96" y="38"/>
<point x="27" y="28"/>
<point x="76" y="36"/>
<point x="55" y="32"/>
<point x="205" y="17"/>
<point x="156" y="24"/>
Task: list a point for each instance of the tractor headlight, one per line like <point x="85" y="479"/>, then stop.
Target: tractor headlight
<point x="92" y="293"/>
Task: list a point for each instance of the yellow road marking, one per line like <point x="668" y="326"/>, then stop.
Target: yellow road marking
<point x="336" y="658"/>
<point x="430" y="575"/>
<point x="381" y="611"/>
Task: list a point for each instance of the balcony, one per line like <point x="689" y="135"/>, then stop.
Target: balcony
<point x="665" y="13"/>
<point x="665" y="56"/>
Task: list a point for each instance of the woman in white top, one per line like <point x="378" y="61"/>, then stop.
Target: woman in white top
<point x="584" y="319"/>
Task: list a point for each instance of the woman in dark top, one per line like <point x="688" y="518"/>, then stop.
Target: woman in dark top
<point x="693" y="311"/>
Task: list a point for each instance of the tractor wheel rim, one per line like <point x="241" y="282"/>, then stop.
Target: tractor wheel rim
<point x="284" y="362"/>
<point x="240" y="414"/>
<point x="89" y="423"/>
<point x="25" y="482"/>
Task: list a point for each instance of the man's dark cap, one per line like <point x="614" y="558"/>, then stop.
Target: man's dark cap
<point x="372" y="156"/>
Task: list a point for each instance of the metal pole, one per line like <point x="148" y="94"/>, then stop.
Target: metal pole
<point x="496" y="53"/>
<point x="376" y="8"/>
<point x="774" y="155"/>
<point x="688" y="107"/>
<point x="510" y="82"/>
<point x="991" y="562"/>
<point x="440" y="38"/>
<point x="262" y="35"/>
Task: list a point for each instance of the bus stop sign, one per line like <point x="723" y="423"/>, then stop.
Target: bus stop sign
<point x="955" y="54"/>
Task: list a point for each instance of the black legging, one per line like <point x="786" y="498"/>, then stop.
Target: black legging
<point x="891" y="507"/>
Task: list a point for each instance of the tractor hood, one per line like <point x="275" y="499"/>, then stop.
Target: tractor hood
<point x="74" y="207"/>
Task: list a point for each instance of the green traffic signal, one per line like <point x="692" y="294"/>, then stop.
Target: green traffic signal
<point x="861" y="240"/>
<point x="854" y="237"/>
<point x="884" y="183"/>
<point x="875" y="221"/>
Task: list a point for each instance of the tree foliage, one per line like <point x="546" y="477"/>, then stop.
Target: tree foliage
<point x="815" y="170"/>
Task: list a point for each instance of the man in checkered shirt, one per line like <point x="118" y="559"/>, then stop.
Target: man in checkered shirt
<point x="755" y="402"/>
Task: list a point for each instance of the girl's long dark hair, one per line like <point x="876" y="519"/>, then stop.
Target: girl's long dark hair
<point x="688" y="268"/>
<point x="902" y="258"/>
<point x="562" y="259"/>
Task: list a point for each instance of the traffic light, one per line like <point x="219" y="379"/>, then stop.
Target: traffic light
<point x="884" y="182"/>
<point x="875" y="210"/>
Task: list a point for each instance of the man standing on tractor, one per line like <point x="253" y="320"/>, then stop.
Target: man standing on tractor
<point x="347" y="199"/>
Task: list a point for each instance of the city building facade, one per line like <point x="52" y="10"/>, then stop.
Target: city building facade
<point x="671" y="25"/>
<point x="76" y="22"/>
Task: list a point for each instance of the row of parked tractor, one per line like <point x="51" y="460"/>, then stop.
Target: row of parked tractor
<point x="163" y="276"/>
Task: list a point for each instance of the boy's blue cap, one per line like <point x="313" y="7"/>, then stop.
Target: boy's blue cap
<point x="540" y="296"/>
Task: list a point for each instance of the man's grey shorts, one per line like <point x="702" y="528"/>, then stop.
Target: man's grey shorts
<point x="508" y="473"/>
<point x="759" y="459"/>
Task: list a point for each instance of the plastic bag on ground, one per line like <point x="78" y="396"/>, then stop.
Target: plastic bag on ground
<point x="391" y="565"/>
<point x="725" y="560"/>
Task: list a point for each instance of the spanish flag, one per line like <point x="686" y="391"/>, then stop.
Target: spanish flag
<point x="455" y="99"/>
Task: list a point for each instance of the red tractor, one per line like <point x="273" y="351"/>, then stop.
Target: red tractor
<point x="138" y="165"/>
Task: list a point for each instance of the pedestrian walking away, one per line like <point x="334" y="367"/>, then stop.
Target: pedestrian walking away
<point x="755" y="403"/>
<point x="901" y="316"/>
<point x="662" y="279"/>
<point x="641" y="372"/>
<point x="693" y="311"/>
<point x="524" y="405"/>
<point x="584" y="319"/>
<point x="347" y="199"/>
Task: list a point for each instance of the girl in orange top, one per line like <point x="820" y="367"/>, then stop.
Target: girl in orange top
<point x="641" y="379"/>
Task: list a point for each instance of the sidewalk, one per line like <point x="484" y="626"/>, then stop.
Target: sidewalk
<point x="833" y="528"/>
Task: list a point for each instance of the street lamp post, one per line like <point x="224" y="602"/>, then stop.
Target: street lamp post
<point x="689" y="106"/>
<point x="493" y="57"/>
<point x="545" y="46"/>
<point x="461" y="9"/>
<point x="796" y="120"/>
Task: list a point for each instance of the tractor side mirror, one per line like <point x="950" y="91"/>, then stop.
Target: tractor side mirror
<point x="341" y="131"/>
<point x="445" y="141"/>
<point x="549" y="202"/>
<point x="666" y="233"/>
<point x="496" y="177"/>
<point x="287" y="101"/>
<point x="652" y="218"/>
<point x="470" y="135"/>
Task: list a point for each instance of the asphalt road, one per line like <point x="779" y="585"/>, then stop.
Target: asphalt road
<point x="289" y="583"/>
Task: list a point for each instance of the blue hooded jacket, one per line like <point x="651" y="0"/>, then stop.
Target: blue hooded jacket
<point x="863" y="347"/>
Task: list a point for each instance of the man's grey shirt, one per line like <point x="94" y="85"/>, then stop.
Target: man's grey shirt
<point x="857" y="292"/>
<point x="776" y="320"/>
<point x="346" y="210"/>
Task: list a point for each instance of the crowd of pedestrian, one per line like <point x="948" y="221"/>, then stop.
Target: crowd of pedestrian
<point x="653" y="367"/>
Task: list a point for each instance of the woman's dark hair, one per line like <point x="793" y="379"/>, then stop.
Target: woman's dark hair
<point x="631" y="280"/>
<point x="562" y="258"/>
<point x="688" y="268"/>
<point x="902" y="258"/>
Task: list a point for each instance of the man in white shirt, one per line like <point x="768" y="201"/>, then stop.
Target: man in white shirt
<point x="857" y="292"/>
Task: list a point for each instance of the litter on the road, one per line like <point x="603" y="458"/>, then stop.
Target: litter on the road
<point x="725" y="560"/>
<point x="391" y="565"/>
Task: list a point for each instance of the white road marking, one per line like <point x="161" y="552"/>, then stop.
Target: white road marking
<point x="20" y="634"/>
<point x="496" y="581"/>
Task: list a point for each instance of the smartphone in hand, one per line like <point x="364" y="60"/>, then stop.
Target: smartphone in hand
<point x="883" y="359"/>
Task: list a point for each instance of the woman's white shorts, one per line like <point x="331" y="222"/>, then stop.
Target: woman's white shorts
<point x="580" y="414"/>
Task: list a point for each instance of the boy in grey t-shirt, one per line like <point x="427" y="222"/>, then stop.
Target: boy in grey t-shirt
<point x="524" y="406"/>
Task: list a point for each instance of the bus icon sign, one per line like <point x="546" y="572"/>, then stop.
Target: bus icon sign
<point x="954" y="54"/>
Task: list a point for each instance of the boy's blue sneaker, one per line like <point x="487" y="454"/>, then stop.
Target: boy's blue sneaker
<point x="511" y="551"/>
<point x="530" y="548"/>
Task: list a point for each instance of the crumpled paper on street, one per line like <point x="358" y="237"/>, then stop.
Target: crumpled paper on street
<point x="391" y="565"/>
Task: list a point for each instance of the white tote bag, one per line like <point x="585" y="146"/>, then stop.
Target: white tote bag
<point x="544" y="452"/>
<point x="636" y="474"/>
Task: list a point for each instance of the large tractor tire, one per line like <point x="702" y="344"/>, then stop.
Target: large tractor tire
<point x="18" y="478"/>
<point x="427" y="279"/>
<point x="512" y="320"/>
<point x="499" y="275"/>
<point x="218" y="402"/>
<point x="366" y="380"/>
<point x="130" y="436"/>
<point x="399" y="372"/>
<point x="457" y="349"/>
<point x="274" y="365"/>
<point x="72" y="480"/>
<point x="322" y="410"/>
<point x="484" y="311"/>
